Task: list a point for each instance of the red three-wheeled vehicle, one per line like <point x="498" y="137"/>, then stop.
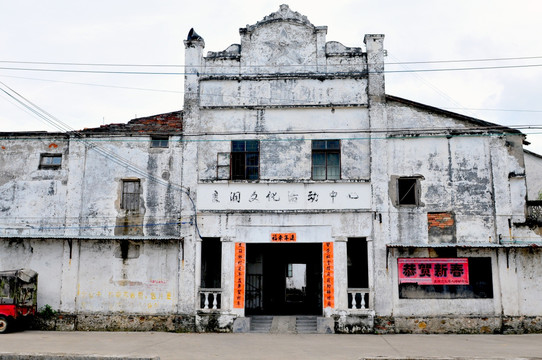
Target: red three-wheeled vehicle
<point x="18" y="296"/>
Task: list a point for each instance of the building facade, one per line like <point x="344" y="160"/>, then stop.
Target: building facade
<point x="290" y="185"/>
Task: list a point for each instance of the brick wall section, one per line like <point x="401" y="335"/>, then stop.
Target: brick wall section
<point x="168" y="123"/>
<point x="441" y="220"/>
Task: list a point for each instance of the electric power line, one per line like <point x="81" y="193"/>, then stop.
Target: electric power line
<point x="256" y="66"/>
<point x="238" y="96"/>
<point x="94" y="84"/>
<point x="236" y="74"/>
<point x="111" y="156"/>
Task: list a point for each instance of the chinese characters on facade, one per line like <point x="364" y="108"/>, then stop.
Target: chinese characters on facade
<point x="284" y="196"/>
<point x="292" y="197"/>
<point x="283" y="237"/>
<point x="328" y="263"/>
<point x="239" y="278"/>
<point x="434" y="271"/>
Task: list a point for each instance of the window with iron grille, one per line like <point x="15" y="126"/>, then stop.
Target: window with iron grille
<point x="131" y="191"/>
<point x="245" y="160"/>
<point x="326" y="159"/>
<point x="50" y="161"/>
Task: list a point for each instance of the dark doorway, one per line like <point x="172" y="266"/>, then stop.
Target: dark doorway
<point x="211" y="262"/>
<point x="284" y="279"/>
<point x="357" y="271"/>
<point x="211" y="273"/>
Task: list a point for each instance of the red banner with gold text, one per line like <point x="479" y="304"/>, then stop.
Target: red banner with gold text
<point x="239" y="290"/>
<point x="329" y="275"/>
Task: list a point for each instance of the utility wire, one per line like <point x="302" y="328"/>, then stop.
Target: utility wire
<point x="462" y="60"/>
<point x="248" y="97"/>
<point x="263" y="74"/>
<point x="225" y="136"/>
<point x="387" y="132"/>
<point x="433" y="87"/>
<point x="66" y="128"/>
<point x="111" y="156"/>
<point x="82" y="227"/>
<point x="42" y="111"/>
<point x="94" y="84"/>
<point x="487" y="109"/>
<point x="397" y="62"/>
<point x="240" y="96"/>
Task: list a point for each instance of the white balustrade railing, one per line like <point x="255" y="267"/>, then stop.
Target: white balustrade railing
<point x="359" y="298"/>
<point x="210" y="299"/>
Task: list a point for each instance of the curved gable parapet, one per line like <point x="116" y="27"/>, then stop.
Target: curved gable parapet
<point x="285" y="42"/>
<point x="284" y="14"/>
<point x="232" y="52"/>
<point x="335" y="48"/>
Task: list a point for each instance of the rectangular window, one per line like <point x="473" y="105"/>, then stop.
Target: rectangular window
<point x="50" y="161"/>
<point x="130" y="195"/>
<point x="245" y="159"/>
<point x="326" y="159"/>
<point x="159" y="141"/>
<point x="407" y="191"/>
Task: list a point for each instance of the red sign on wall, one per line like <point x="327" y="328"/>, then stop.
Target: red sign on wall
<point x="283" y="237"/>
<point x="239" y="278"/>
<point x="329" y="275"/>
<point x="434" y="271"/>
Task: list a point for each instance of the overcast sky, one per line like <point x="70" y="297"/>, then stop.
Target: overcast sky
<point x="136" y="32"/>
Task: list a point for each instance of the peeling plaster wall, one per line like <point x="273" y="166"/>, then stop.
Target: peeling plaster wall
<point x="533" y="170"/>
<point x="283" y="92"/>
<point x="320" y="120"/>
<point x="287" y="157"/>
<point x="91" y="276"/>
<point x="455" y="178"/>
<point x="529" y="292"/>
<point x="82" y="198"/>
<point x="33" y="199"/>
<point x="138" y="284"/>
<point x="159" y="202"/>
<point x="41" y="255"/>
<point x="469" y="176"/>
<point x="340" y="224"/>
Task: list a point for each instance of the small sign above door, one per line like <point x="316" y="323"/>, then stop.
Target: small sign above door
<point x="283" y="237"/>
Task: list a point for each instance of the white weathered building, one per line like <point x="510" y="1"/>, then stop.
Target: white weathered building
<point x="290" y="184"/>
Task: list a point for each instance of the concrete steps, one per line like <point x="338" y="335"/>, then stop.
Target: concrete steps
<point x="261" y="324"/>
<point x="284" y="324"/>
<point x="306" y="325"/>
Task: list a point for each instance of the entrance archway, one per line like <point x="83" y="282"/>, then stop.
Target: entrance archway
<point x="283" y="279"/>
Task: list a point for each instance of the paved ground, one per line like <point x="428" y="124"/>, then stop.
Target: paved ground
<point x="170" y="346"/>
